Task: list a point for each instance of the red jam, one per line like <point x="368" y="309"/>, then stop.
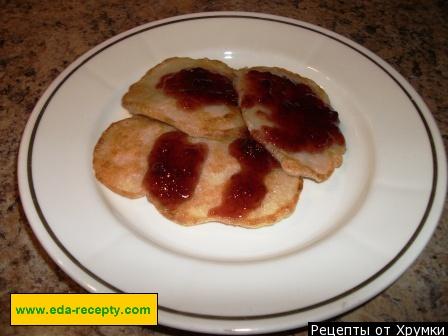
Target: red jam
<point x="246" y="189"/>
<point x="174" y="168"/>
<point x="303" y="122"/>
<point x="197" y="87"/>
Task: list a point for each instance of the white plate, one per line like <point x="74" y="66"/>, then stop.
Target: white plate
<point x="349" y="238"/>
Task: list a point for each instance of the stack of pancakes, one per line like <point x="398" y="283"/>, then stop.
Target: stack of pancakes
<point x="121" y="156"/>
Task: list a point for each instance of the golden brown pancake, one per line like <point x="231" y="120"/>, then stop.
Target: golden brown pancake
<point x="211" y="118"/>
<point x="121" y="163"/>
<point x="311" y="153"/>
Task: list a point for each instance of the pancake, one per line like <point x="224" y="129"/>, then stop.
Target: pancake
<point x="292" y="117"/>
<point x="194" y="95"/>
<point x="121" y="159"/>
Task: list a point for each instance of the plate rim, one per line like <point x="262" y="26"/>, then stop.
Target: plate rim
<point x="26" y="149"/>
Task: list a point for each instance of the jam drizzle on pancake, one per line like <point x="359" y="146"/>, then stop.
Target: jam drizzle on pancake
<point x="174" y="168"/>
<point x="245" y="190"/>
<point x="302" y="121"/>
<point x="197" y="87"/>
